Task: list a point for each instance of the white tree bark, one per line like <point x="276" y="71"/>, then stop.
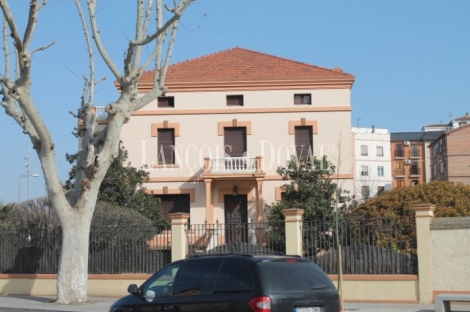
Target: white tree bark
<point x="75" y="207"/>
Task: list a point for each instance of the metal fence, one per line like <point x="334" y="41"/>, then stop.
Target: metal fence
<point x="112" y="250"/>
<point x="377" y="246"/>
<point x="244" y="238"/>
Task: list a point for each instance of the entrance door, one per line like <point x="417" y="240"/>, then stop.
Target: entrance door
<point x="236" y="218"/>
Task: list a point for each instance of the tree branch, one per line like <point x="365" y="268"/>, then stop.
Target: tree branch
<point x="8" y="16"/>
<point x="34" y="8"/>
<point x="99" y="44"/>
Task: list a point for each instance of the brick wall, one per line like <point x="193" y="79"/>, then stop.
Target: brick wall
<point x="458" y="153"/>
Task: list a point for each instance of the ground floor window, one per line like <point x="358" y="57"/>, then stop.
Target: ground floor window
<point x="175" y="203"/>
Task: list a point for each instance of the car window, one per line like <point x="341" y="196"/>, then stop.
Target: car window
<point x="196" y="277"/>
<point x="160" y="284"/>
<point x="292" y="275"/>
<point x="234" y="276"/>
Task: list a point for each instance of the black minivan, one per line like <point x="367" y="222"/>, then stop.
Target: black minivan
<point x="234" y="283"/>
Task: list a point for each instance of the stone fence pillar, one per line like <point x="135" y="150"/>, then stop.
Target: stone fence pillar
<point x="293" y="220"/>
<point x="424" y="213"/>
<point x="179" y="241"/>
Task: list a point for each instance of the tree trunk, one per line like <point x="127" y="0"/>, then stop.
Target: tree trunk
<point x="72" y="278"/>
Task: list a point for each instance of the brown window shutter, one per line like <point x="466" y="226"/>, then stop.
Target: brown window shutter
<point x="235" y="141"/>
<point x="234" y="100"/>
<point x="166" y="101"/>
<point x="166" y="139"/>
<point x="302" y="99"/>
<point x="303" y="142"/>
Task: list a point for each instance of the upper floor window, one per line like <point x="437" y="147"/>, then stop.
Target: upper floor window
<point x="380" y="171"/>
<point x="414" y="150"/>
<point x="414" y="168"/>
<point x="365" y="191"/>
<point x="364" y="150"/>
<point x="380" y="190"/>
<point x="303" y="142"/>
<point x="234" y="100"/>
<point x="166" y="143"/>
<point x="399" y="150"/>
<point x="235" y="141"/>
<point x="380" y="151"/>
<point x="166" y="101"/>
<point x="364" y="171"/>
<point x="303" y="98"/>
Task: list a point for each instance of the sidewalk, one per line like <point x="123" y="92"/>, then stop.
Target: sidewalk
<point x="42" y="304"/>
<point x="13" y="303"/>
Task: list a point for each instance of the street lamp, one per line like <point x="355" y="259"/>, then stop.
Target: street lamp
<point x="28" y="175"/>
<point x="35" y="175"/>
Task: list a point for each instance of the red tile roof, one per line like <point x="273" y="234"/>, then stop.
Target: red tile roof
<point x="243" y="64"/>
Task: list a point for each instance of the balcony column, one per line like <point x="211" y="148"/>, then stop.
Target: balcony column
<point x="259" y="200"/>
<point x="258" y="163"/>
<point x="207" y="165"/>
<point x="209" y="206"/>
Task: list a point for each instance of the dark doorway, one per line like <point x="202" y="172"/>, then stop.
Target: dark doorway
<point x="236" y="218"/>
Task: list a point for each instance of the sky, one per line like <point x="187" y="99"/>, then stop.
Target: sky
<point x="410" y="59"/>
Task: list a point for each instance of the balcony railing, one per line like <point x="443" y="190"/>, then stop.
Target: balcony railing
<point x="415" y="171"/>
<point x="400" y="172"/>
<point x="233" y="165"/>
<point x="414" y="153"/>
<point x="399" y="154"/>
<point x="100" y="112"/>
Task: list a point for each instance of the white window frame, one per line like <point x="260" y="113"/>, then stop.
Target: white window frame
<point x="364" y="150"/>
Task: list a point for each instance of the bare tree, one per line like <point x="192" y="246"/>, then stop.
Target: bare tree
<point x="75" y="207"/>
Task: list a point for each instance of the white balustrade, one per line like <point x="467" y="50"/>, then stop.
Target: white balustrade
<point x="233" y="165"/>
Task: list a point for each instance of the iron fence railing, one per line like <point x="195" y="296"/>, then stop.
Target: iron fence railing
<point x="243" y="238"/>
<point x="112" y="250"/>
<point x="377" y="246"/>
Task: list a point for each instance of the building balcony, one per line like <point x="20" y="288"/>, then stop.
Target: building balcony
<point x="415" y="172"/>
<point x="414" y="154"/>
<point x="399" y="154"/>
<point x="100" y="113"/>
<point x="244" y="166"/>
<point x="400" y="173"/>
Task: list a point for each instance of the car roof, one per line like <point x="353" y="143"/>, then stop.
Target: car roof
<point x="257" y="258"/>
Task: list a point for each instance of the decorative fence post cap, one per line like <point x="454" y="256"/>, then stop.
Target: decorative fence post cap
<point x="293" y="212"/>
<point x="424" y="207"/>
<point x="178" y="215"/>
<point x="424" y="210"/>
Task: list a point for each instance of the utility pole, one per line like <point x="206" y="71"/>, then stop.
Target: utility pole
<point x="28" y="175"/>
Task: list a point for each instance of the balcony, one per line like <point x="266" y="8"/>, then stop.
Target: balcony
<point x="400" y="173"/>
<point x="414" y="154"/>
<point x="399" y="154"/>
<point x="415" y="172"/>
<point x="100" y="112"/>
<point x="233" y="165"/>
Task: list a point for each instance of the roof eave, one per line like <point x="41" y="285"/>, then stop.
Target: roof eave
<point x="254" y="85"/>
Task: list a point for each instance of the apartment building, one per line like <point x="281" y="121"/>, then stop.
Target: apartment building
<point x="411" y="157"/>
<point x="450" y="155"/>
<point x="213" y="143"/>
<point x="454" y="123"/>
<point x="372" y="162"/>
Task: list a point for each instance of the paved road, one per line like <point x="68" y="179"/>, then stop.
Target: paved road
<point x="43" y="304"/>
